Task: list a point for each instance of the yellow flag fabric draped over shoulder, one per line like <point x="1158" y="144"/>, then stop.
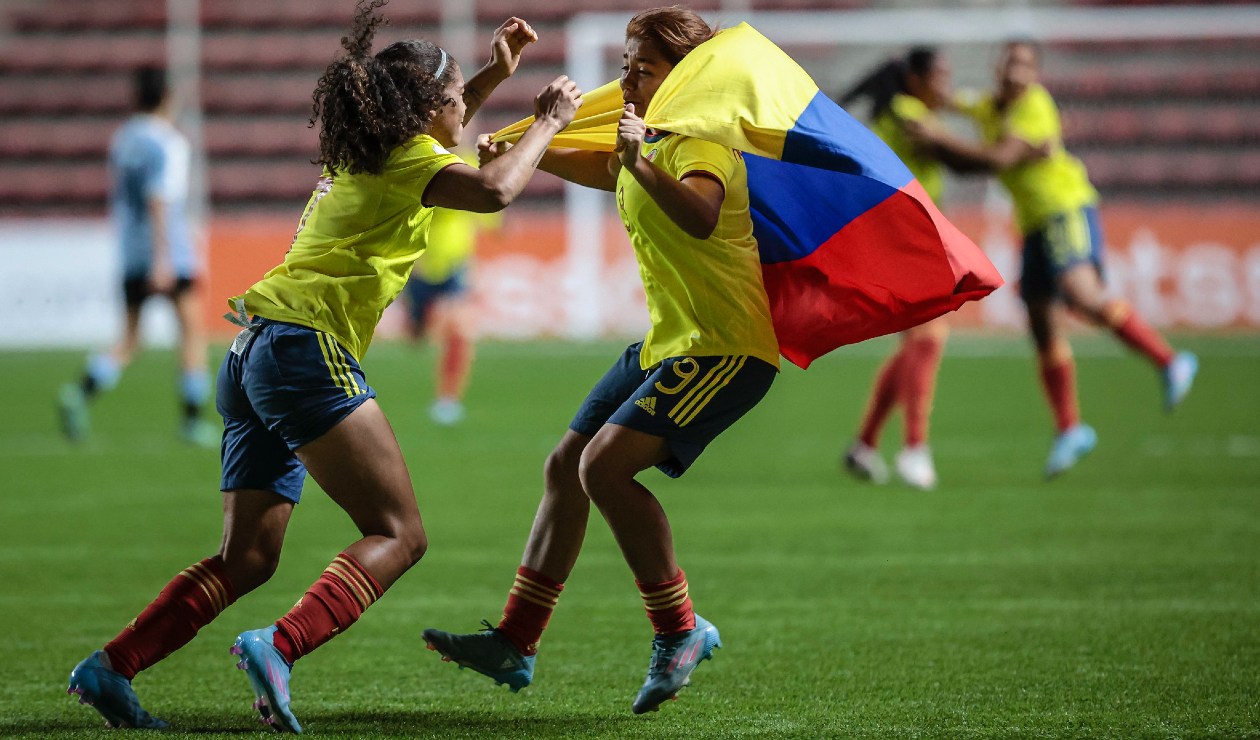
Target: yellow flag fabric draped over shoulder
<point x="851" y="246"/>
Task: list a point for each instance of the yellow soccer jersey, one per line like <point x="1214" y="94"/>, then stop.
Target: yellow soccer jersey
<point x="705" y="296"/>
<point x="928" y="171"/>
<point x="354" y="248"/>
<point x="1039" y="188"/>
<point x="452" y="240"/>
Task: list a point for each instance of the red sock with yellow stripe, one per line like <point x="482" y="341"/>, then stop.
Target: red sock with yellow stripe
<point x="334" y="602"/>
<point x="529" y="606"/>
<point x="668" y="605"/>
<point x="189" y="602"/>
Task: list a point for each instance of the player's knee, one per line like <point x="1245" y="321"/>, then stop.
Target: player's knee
<point x="561" y="466"/>
<point x="598" y="470"/>
<point x="413" y="542"/>
<point x="250" y="568"/>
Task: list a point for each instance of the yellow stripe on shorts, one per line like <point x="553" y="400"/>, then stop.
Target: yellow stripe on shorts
<point x="334" y="367"/>
<point x="709" y="388"/>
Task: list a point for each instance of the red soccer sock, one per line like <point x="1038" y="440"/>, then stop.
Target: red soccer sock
<point x="918" y="384"/>
<point x="334" y="602"/>
<point x="883" y="397"/>
<point x="1058" y="378"/>
<point x="189" y="602"/>
<point x="1135" y="332"/>
<point x="668" y="605"/>
<point x="453" y="370"/>
<point x="529" y="606"/>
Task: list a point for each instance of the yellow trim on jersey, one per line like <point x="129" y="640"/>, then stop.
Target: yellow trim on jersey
<point x="716" y="379"/>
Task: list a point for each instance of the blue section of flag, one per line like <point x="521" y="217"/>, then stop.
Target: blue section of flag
<point x="827" y="137"/>
<point x="832" y="171"/>
<point x="796" y="209"/>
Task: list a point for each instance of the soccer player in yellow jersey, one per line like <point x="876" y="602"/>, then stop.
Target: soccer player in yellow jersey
<point x="290" y="389"/>
<point x="905" y="89"/>
<point x="438" y="305"/>
<point x="710" y="355"/>
<point x="1056" y="208"/>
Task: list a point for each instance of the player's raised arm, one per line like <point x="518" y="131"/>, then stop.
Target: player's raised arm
<point x="510" y="39"/>
<point x="499" y="181"/>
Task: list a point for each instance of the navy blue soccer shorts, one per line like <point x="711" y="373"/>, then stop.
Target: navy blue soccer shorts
<point x="1068" y="239"/>
<point x="688" y="401"/>
<point x="280" y="387"/>
<point x="421" y="293"/>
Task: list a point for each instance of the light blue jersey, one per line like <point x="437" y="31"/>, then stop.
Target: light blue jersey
<point x="148" y="159"/>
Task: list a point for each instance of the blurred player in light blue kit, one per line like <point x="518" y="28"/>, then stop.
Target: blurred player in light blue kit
<point x="149" y="174"/>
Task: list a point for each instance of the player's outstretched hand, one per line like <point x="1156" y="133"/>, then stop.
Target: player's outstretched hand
<point x="558" y="101"/>
<point x="509" y="40"/>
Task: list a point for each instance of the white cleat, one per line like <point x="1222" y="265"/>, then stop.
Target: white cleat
<point x="865" y="463"/>
<point x="915" y="467"/>
<point x="446" y="412"/>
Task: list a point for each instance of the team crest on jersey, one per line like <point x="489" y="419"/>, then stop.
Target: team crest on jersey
<point x="648" y="404"/>
<point x="651" y="155"/>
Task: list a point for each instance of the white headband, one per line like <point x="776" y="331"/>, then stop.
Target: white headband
<point x="442" y="66"/>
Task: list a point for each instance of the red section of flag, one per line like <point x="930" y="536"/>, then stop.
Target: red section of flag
<point x="898" y="265"/>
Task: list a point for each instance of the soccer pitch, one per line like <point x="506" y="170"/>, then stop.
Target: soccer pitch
<point x="1122" y="600"/>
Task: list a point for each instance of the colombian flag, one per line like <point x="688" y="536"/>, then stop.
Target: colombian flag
<point x="851" y="246"/>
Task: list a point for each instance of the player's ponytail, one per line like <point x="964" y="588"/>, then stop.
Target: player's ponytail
<point x="367" y="105"/>
<point x="887" y="80"/>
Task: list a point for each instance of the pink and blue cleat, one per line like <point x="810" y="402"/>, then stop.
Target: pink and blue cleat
<point x="110" y="693"/>
<point x="674" y="657"/>
<point x="268" y="673"/>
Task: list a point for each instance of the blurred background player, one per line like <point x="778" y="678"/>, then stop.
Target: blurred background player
<point x="1056" y="208"/>
<point x="909" y="88"/>
<point x="439" y="306"/>
<point x="149" y="179"/>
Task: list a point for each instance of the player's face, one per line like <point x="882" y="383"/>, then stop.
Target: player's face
<point x="935" y="87"/>
<point x="643" y="69"/>
<point x="1017" y="69"/>
<point x="447" y="125"/>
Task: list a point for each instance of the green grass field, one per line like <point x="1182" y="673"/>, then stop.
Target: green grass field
<point x="1122" y="600"/>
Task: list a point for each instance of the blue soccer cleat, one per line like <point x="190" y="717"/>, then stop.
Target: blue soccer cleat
<point x="488" y="652"/>
<point x="72" y="408"/>
<point x="268" y="673"/>
<point x="1179" y="378"/>
<point x="109" y="693"/>
<point x="674" y="657"/>
<point x="1069" y="448"/>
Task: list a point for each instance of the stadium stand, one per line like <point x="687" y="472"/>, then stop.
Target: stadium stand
<point x="1151" y="120"/>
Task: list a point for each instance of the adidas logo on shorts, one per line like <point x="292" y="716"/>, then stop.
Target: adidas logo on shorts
<point x="648" y="404"/>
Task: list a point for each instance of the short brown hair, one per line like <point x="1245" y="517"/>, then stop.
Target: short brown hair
<point x="675" y="30"/>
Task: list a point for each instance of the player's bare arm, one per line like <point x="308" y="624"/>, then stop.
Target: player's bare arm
<point x="694" y="203"/>
<point x="510" y="39"/>
<point x="501" y="179"/>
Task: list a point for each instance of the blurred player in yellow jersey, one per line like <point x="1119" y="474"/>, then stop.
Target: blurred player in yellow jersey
<point x="1056" y="208"/>
<point x="439" y="308"/>
<point x="290" y="389"/>
<point x="905" y="90"/>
